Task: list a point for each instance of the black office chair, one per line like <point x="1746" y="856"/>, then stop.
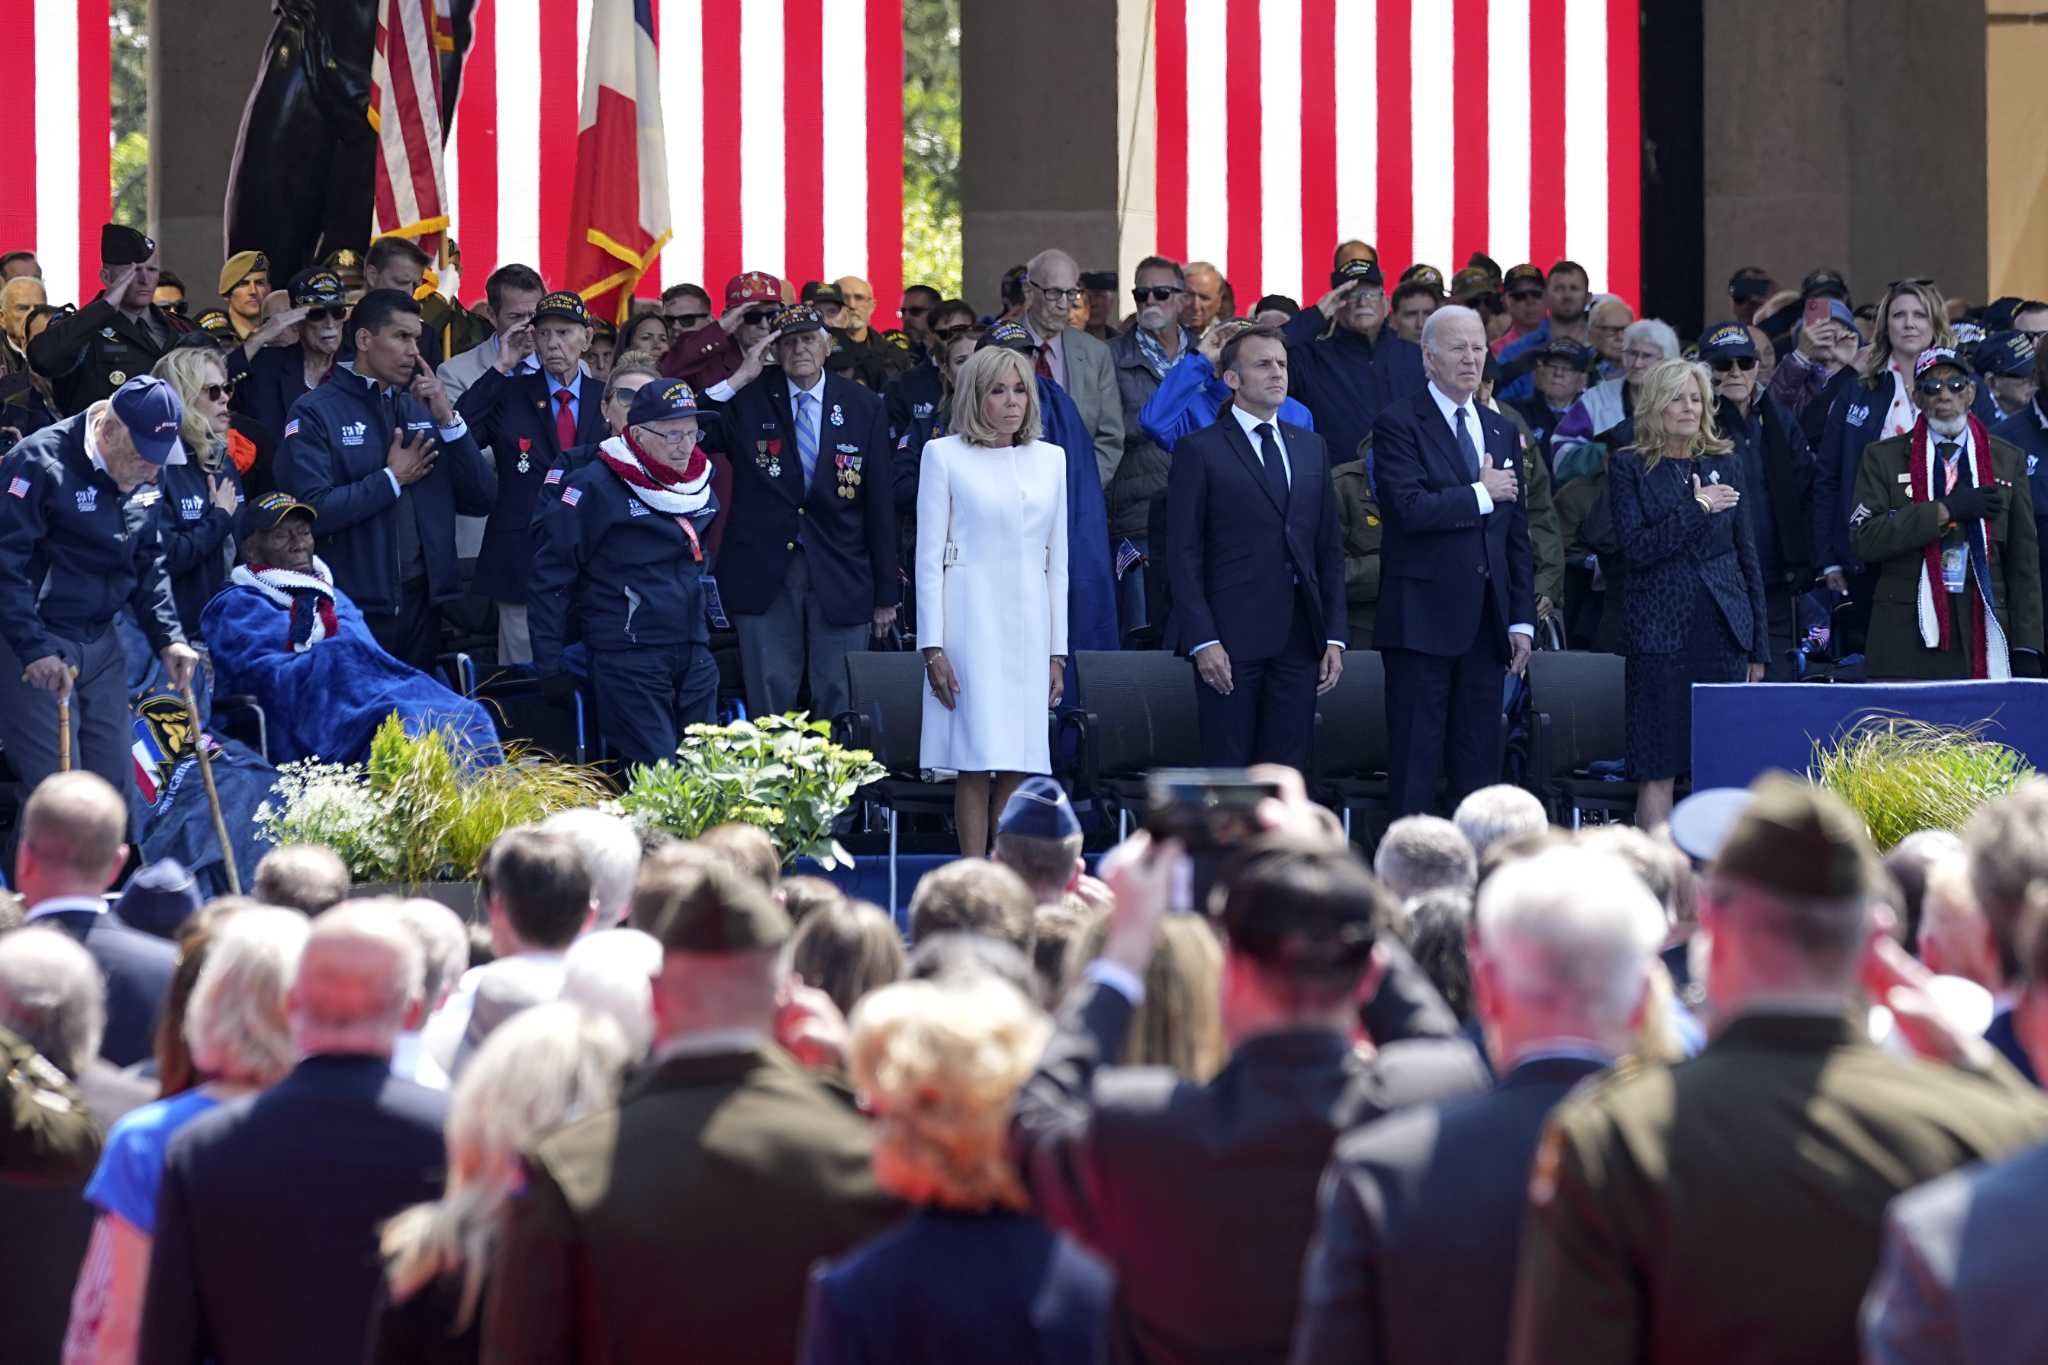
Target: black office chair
<point x="885" y="692"/>
<point x="1140" y="715"/>
<point x="1579" y="699"/>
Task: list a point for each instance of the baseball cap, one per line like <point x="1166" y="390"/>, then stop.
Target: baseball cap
<point x="659" y="402"/>
<point x="564" y="306"/>
<point x="826" y="295"/>
<point x="1011" y="334"/>
<point x="1935" y="356"/>
<point x="215" y="323"/>
<point x="1750" y="282"/>
<point x="1726" y="341"/>
<point x="152" y="412"/>
<point x="755" y="286"/>
<point x="158" y="898"/>
<point x="1523" y="274"/>
<point x="239" y="267"/>
<point x="1564" y="351"/>
<point x="1369" y="271"/>
<point x="318" y="289"/>
<point x="1098" y="279"/>
<point x="798" y="317"/>
<point x="264" y="513"/>
<point x="1472" y="282"/>
<point x="696" y="905"/>
<point x="1999" y="313"/>
<point x="124" y="245"/>
<point x="1039" y="809"/>
<point x="1800" y="841"/>
<point x="2006" y="353"/>
<point x="1825" y="282"/>
<point x="1426" y="275"/>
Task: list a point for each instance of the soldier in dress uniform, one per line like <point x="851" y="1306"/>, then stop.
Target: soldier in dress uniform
<point x="88" y="354"/>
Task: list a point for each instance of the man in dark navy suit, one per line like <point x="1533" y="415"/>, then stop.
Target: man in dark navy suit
<point x="1419" y="1222"/>
<point x="1457" y="604"/>
<point x="267" y="1219"/>
<point x="71" y="851"/>
<point x="526" y="417"/>
<point x="1257" y="566"/>
<point x="807" y="564"/>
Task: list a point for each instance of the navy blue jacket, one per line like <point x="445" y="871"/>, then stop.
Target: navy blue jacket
<point x="2028" y="429"/>
<point x="138" y="970"/>
<point x="997" y="1288"/>
<point x="1238" y="562"/>
<point x="513" y="418"/>
<point x="332" y="458"/>
<point x="1672" y="545"/>
<point x="71" y="554"/>
<point x="1438" y="556"/>
<point x="1346" y="380"/>
<point x="1789" y="473"/>
<point x="611" y="571"/>
<point x="850" y="541"/>
<point x="1855" y="419"/>
<point x="198" y="537"/>
<point x="267" y="386"/>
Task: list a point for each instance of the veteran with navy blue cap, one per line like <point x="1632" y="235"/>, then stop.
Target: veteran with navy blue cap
<point x="619" y="562"/>
<point x="2006" y="359"/>
<point x="71" y="558"/>
<point x="85" y="355"/>
<point x="1038" y="836"/>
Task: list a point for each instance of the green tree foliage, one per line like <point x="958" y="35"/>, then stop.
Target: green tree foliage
<point x="931" y="144"/>
<point x="130" y="38"/>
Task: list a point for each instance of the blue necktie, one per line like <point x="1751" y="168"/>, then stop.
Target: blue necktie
<point x="1471" y="450"/>
<point x="807" y="435"/>
<point x="1269" y="456"/>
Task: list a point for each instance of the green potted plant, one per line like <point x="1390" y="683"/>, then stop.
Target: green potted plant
<point x="782" y="773"/>
<point x="1903" y="775"/>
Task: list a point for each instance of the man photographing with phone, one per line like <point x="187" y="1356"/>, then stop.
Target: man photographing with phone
<point x="386" y="463"/>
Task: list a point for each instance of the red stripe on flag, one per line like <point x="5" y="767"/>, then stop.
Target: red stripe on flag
<point x="95" y="138"/>
<point x="18" y="205"/>
<point x="651" y="283"/>
<point x="1242" y="155"/>
<point x="722" y="144"/>
<point x="1170" y="63"/>
<point x="560" y="103"/>
<point x="1546" y="132"/>
<point x="1468" y="131"/>
<point x="803" y="139"/>
<point x="1318" y="145"/>
<point x="1624" y="152"/>
<point x="383" y="193"/>
<point x="476" y="128"/>
<point x="885" y="158"/>
<point x="1396" y="178"/>
<point x="421" y="155"/>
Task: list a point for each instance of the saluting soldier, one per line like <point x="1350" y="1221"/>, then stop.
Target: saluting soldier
<point x="88" y="354"/>
<point x="1944" y="517"/>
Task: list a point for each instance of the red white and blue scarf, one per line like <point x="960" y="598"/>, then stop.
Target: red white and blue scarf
<point x="1989" y="655"/>
<point x="308" y="598"/>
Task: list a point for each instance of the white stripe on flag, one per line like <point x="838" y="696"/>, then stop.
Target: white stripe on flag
<point x="1585" y="137"/>
<point x="519" y="134"/>
<point x="682" y="110"/>
<point x="1279" y="80"/>
<point x="582" y="47"/>
<point x="1433" y="154"/>
<point x="1358" y="120"/>
<point x="57" y="153"/>
<point x="764" y="190"/>
<point x="423" y="60"/>
<point x="1209" y="78"/>
<point x="1507" y="132"/>
<point x="845" y="142"/>
<point x="451" y="190"/>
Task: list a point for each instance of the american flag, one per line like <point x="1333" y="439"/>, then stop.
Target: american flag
<point x="405" y="113"/>
<point x="1430" y="128"/>
<point x="1127" y="555"/>
<point x="60" y="139"/>
<point x="619" y="223"/>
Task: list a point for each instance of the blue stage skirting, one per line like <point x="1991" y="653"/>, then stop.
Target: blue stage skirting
<point x="1740" y="729"/>
<point x="868" y="878"/>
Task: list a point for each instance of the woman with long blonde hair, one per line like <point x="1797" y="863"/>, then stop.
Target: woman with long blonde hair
<point x="199" y="498"/>
<point x="1693" y="608"/>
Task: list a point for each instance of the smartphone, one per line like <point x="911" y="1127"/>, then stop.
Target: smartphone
<point x="1210" y="811"/>
<point x="1816" y="311"/>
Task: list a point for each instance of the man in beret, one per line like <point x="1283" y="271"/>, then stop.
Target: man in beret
<point x="88" y="354"/>
<point x="692" y="1211"/>
<point x="1944" y="518"/>
<point x="244" y="284"/>
<point x="1727" y="1208"/>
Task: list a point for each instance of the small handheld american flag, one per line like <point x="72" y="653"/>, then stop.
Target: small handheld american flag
<point x="1127" y="555"/>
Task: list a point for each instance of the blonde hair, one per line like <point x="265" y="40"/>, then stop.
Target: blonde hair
<point x="1940" y="333"/>
<point x="982" y="372"/>
<point x="1664" y="382"/>
<point x="236" y="1023"/>
<point x="938" y="1063"/>
<point x="184" y="369"/>
<point x="1180" y="1023"/>
<point x="546" y="1066"/>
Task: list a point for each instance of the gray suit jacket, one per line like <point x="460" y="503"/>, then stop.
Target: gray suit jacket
<point x="1091" y="383"/>
<point x="1960" y="1279"/>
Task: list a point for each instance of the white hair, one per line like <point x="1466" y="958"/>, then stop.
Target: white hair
<point x="1422" y="853"/>
<point x="611" y="972"/>
<point x="1500" y="812"/>
<point x="611" y="855"/>
<point x="1443" y="317"/>
<point x="1656" y="331"/>
<point x="444" y="946"/>
<point x="1573" y="932"/>
<point x="1047" y="257"/>
<point x="52" y="996"/>
<point x="235" y="1022"/>
<point x="360" y="970"/>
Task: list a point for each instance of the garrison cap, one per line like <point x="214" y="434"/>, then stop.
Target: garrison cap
<point x="1039" y="809"/>
<point x="1801" y="842"/>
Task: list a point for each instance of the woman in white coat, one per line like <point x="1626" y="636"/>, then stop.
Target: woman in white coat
<point x="991" y="589"/>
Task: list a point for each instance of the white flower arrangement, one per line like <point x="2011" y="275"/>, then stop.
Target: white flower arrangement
<point x="330" y="804"/>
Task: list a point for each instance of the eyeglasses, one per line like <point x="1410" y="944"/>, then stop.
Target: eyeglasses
<point x="688" y="322"/>
<point x="1156" y="293"/>
<point x="758" y="317"/>
<point x="914" y="310"/>
<point x="324" y="315"/>
<point x="1740" y="362"/>
<point x="216" y="393"/>
<point x="676" y="438"/>
<point x="1930" y="387"/>
<point x="1066" y="296"/>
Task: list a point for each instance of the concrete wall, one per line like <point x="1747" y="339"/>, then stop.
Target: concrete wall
<point x="200" y="74"/>
<point x="1845" y="133"/>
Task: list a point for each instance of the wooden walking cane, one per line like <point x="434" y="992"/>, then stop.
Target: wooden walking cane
<point x="64" y="732"/>
<point x="220" y="825"/>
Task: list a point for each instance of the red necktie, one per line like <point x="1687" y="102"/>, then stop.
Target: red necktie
<point x="565" y="420"/>
<point x="1045" y="360"/>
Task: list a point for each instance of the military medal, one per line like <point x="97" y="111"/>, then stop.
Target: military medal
<point x="838" y="417"/>
<point x="525" y="458"/>
<point x="117" y="379"/>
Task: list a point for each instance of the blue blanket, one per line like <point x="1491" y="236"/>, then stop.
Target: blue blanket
<point x="327" y="701"/>
<point x="1091" y="585"/>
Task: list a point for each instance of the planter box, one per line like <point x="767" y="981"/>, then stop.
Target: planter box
<point x="461" y="897"/>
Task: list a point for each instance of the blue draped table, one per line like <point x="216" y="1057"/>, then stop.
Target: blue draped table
<point x="1739" y="730"/>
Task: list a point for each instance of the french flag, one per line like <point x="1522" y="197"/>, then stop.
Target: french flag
<point x="619" y="220"/>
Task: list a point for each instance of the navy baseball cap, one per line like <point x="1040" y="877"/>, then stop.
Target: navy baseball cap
<point x="1726" y="341"/>
<point x="1039" y="809"/>
<point x="563" y="306"/>
<point x="2006" y="353"/>
<point x="1825" y="282"/>
<point x="1750" y="282"/>
<point x="318" y="289"/>
<point x="158" y="898"/>
<point x="1369" y="271"/>
<point x="152" y="412"/>
<point x="1934" y="357"/>
<point x="799" y="317"/>
<point x="1562" y="351"/>
<point x="1999" y="313"/>
<point x="264" y="513"/>
<point x="659" y="402"/>
<point x="1011" y="335"/>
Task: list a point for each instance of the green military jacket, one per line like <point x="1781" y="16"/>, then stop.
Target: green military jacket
<point x="1358" y="517"/>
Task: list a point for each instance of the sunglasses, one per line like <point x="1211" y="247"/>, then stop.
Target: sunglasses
<point x="759" y="317"/>
<point x="1740" y="362"/>
<point x="689" y="322"/>
<point x="324" y="315"/>
<point x="624" y="395"/>
<point x="216" y="393"/>
<point x="957" y="330"/>
<point x="1525" y="294"/>
<point x="1156" y="293"/>
<point x="1930" y="387"/>
<point x="912" y="310"/>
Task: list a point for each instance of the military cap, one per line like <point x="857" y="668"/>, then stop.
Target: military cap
<point x="342" y="259"/>
<point x="241" y="266"/>
<point x="264" y="513"/>
<point x="1472" y="282"/>
<point x="1563" y="351"/>
<point x="564" y="306"/>
<point x="798" y="317"/>
<point x="1426" y="275"/>
<point x="1726" y="341"/>
<point x="1750" y="282"/>
<point x="159" y="898"/>
<point x="1936" y="356"/>
<point x="697" y="905"/>
<point x="1039" y="809"/>
<point x="318" y="289"/>
<point x="215" y="322"/>
<point x="1369" y="271"/>
<point x="1801" y="842"/>
<point x="825" y="296"/>
<point x="124" y="245"/>
<point x="2006" y="353"/>
<point x="1700" y="824"/>
<point x="1523" y="274"/>
<point x="755" y="286"/>
<point x="659" y="402"/>
<point x="1011" y="335"/>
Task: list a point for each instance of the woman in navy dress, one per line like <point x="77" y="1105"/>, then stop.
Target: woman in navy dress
<point x="1693" y="610"/>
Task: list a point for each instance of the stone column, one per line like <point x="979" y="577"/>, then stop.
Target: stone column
<point x="200" y="74"/>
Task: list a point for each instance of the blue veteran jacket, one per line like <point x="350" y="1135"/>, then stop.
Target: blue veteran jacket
<point x="1671" y="546"/>
<point x="513" y="418"/>
<point x="198" y="537"/>
<point x="846" y="518"/>
<point x="2028" y="429"/>
<point x="1347" y="380"/>
<point x="267" y="386"/>
<point x="71" y="553"/>
<point x="1854" y="420"/>
<point x="332" y="458"/>
<point x="613" y="572"/>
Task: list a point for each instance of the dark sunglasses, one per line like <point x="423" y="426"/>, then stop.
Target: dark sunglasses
<point x="913" y="310"/>
<point x="1525" y="293"/>
<point x="1930" y="387"/>
<point x="217" y="392"/>
<point x="957" y="330"/>
<point x="1156" y="293"/>
<point x="325" y="315"/>
<point x="1740" y="362"/>
<point x="759" y="317"/>
<point x="689" y="322"/>
<point x="619" y="393"/>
